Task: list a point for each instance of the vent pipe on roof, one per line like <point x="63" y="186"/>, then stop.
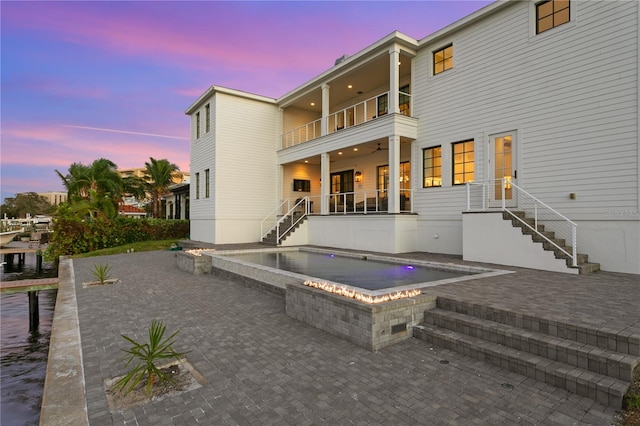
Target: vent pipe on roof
<point x="341" y="59"/>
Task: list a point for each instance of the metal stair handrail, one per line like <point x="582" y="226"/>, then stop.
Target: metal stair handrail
<point x="302" y="202"/>
<point x="273" y="218"/>
<point x="277" y="218"/>
<point x="524" y="198"/>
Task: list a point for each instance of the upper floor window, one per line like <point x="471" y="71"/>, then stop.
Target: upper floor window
<point x="198" y="125"/>
<point x="550" y="14"/>
<point x="443" y="59"/>
<point x="463" y="162"/>
<point x="207" y="118"/>
<point x="432" y="166"/>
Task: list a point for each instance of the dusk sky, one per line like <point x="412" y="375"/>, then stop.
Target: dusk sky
<point x="85" y="80"/>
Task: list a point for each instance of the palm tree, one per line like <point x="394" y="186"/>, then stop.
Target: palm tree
<point x="97" y="187"/>
<point x="159" y="177"/>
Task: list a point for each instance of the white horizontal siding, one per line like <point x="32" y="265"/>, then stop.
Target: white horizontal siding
<point x="571" y="95"/>
<point x="246" y="144"/>
<point x="203" y="156"/>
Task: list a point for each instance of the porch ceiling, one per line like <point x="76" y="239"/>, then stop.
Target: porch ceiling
<point x="358" y="151"/>
<point x="365" y="78"/>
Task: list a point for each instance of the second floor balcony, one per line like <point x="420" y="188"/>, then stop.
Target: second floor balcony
<point x="355" y="92"/>
<point x="352" y="115"/>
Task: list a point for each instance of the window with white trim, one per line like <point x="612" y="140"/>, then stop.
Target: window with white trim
<point x="551" y="13"/>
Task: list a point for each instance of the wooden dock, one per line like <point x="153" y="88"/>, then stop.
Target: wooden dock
<point x="18" y="250"/>
<point x="21" y="286"/>
<point x="32" y="288"/>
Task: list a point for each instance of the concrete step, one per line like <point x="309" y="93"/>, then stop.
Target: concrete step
<point x="603" y="389"/>
<point x="584" y="267"/>
<point x="623" y="342"/>
<point x="583" y="355"/>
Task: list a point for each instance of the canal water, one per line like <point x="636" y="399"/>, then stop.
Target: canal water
<point x="23" y="354"/>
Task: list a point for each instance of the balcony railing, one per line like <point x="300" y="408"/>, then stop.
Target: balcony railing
<point x="374" y="201"/>
<point x="353" y="115"/>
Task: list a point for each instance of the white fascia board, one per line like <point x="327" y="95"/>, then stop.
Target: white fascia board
<point x="371" y="51"/>
<point x="233" y="92"/>
<point x="466" y="21"/>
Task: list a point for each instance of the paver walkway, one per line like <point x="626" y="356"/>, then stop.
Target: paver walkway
<point x="263" y="367"/>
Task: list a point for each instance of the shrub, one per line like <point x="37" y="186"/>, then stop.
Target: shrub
<point x="73" y="236"/>
<point x="147" y="356"/>
<point x="101" y="272"/>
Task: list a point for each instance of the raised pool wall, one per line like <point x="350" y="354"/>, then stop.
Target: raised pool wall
<point x="197" y="265"/>
<point x="371" y="326"/>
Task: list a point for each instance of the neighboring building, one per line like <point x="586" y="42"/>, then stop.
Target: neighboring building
<point x="178" y="177"/>
<point x="140" y="172"/>
<point x="131" y="211"/>
<point x="393" y="146"/>
<point x="175" y="204"/>
<point x="55" y="198"/>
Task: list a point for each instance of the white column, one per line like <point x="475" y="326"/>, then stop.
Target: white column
<point x="325" y="182"/>
<point x="394" y="80"/>
<point x="280" y="183"/>
<point x="394" y="174"/>
<point x="325" y="109"/>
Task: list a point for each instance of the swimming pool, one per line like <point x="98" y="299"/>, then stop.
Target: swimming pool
<point x="372" y="274"/>
<point x="360" y="272"/>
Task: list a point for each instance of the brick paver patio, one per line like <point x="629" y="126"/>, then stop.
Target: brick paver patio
<point x="263" y="367"/>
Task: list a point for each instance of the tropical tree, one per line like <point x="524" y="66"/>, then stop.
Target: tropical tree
<point x="95" y="189"/>
<point x="27" y="202"/>
<point x="159" y="177"/>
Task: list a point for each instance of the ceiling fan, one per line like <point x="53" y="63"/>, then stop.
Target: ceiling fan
<point x="379" y="148"/>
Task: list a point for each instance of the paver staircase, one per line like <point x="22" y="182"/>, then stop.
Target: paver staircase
<point x="597" y="364"/>
<point x="583" y="260"/>
<point x="287" y="222"/>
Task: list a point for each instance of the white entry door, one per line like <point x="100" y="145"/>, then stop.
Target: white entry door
<point x="502" y="169"/>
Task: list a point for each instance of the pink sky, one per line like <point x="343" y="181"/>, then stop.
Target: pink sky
<point x="84" y="80"/>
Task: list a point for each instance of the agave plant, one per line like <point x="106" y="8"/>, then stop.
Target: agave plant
<point x="147" y="357"/>
<point x="101" y="272"/>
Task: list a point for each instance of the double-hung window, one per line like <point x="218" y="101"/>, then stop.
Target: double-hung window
<point x="206" y="183"/>
<point x="463" y="162"/>
<point x="198" y="125"/>
<point x="207" y="118"/>
<point x="432" y="166"/>
<point x="197" y="186"/>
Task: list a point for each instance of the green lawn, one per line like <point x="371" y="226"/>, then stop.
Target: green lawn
<point x="139" y="246"/>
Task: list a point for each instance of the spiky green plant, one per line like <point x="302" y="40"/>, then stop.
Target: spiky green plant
<point x="101" y="272"/>
<point x="147" y="356"/>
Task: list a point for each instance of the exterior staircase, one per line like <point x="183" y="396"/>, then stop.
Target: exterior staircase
<point x="291" y="222"/>
<point x="593" y="363"/>
<point x="584" y="266"/>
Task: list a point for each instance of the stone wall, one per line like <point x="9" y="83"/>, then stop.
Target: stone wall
<point x="196" y="265"/>
<point x="371" y="326"/>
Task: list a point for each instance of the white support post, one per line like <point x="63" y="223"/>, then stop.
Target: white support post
<point x="393" y="197"/>
<point x="325" y="182"/>
<point x="394" y="80"/>
<point x="324" y="127"/>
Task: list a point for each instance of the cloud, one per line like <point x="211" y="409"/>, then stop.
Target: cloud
<point x="125" y="132"/>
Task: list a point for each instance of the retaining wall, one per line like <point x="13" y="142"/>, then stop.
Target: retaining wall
<point x="371" y="326"/>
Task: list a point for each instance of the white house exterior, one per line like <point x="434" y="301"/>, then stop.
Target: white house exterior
<point x="394" y="146"/>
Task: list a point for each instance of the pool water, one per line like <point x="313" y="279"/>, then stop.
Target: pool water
<point x="356" y="272"/>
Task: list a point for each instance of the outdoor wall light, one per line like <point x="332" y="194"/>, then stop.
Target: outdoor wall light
<point x="358" y="177"/>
